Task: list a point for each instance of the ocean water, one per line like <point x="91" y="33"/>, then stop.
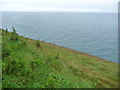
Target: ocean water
<point x="92" y="33"/>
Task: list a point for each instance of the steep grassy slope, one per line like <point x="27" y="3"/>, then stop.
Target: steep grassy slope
<point x="33" y="64"/>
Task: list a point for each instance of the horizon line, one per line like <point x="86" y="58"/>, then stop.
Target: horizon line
<point x="58" y="11"/>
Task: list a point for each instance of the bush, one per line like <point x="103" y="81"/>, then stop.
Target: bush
<point x="38" y="43"/>
<point x="14" y="35"/>
<point x="14" y="31"/>
<point x="6" y="30"/>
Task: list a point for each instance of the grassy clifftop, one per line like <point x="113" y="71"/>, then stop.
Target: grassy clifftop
<point x="28" y="63"/>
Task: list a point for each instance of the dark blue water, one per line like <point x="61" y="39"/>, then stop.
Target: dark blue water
<point x="92" y="33"/>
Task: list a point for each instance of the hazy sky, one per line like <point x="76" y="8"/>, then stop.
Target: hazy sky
<point x="60" y="5"/>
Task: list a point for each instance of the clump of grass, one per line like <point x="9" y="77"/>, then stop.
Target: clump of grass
<point x="6" y="52"/>
<point x="57" y="56"/>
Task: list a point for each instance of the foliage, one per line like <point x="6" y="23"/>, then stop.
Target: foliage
<point x="38" y="44"/>
<point x="14" y="35"/>
<point x="6" y="30"/>
<point x="14" y="31"/>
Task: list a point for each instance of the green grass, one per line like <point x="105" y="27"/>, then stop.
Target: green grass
<point x="28" y="63"/>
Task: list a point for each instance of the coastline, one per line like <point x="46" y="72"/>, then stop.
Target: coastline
<point x="76" y="51"/>
<point x="73" y="50"/>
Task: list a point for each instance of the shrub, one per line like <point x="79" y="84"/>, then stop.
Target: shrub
<point x="38" y="43"/>
<point x="6" y="30"/>
<point x="14" y="35"/>
<point x="3" y="31"/>
<point x="14" y="31"/>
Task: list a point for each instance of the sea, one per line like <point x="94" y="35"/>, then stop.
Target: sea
<point x="92" y="33"/>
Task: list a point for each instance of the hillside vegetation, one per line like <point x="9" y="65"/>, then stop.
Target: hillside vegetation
<point x="28" y="63"/>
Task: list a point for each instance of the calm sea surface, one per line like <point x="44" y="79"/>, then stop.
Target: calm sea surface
<point x="92" y="33"/>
